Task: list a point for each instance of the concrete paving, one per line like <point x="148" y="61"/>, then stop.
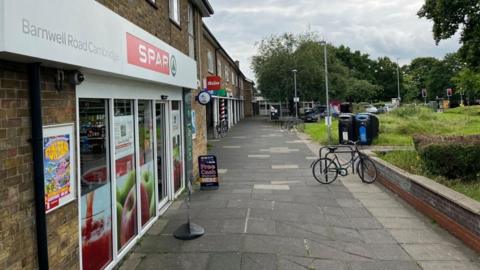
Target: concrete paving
<point x="270" y="213"/>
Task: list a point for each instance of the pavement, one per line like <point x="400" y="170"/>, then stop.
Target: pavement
<point x="270" y="213"/>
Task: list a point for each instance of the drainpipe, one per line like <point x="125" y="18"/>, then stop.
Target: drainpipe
<point x="38" y="170"/>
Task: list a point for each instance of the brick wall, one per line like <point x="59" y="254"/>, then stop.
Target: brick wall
<point x="17" y="213"/>
<point x="248" y="96"/>
<point x="154" y="20"/>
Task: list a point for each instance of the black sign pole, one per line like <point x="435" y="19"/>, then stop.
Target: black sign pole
<point x="189" y="230"/>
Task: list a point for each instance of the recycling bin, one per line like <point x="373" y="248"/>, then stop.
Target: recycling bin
<point x="346" y="128"/>
<point x="367" y="127"/>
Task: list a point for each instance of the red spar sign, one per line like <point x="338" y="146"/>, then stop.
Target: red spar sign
<point x="143" y="54"/>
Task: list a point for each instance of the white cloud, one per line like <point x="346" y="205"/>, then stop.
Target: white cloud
<point x="376" y="27"/>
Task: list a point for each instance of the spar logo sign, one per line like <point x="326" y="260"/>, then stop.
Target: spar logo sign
<point x="173" y="66"/>
<point x="143" y="54"/>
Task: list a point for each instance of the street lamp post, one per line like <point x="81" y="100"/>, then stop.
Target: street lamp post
<point x="295" y="99"/>
<point x="328" y="117"/>
<point x="398" y="81"/>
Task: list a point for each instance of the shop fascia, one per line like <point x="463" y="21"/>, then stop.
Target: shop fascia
<point x="106" y="43"/>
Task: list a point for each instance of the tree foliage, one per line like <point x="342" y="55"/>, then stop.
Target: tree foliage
<point x="353" y="75"/>
<point x="451" y="16"/>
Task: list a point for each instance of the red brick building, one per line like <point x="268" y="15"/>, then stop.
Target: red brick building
<point x="95" y="121"/>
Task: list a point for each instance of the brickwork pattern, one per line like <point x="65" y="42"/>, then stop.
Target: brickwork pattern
<point x="154" y="20"/>
<point x="17" y="212"/>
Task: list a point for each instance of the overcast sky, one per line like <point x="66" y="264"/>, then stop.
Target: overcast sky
<point x="377" y="27"/>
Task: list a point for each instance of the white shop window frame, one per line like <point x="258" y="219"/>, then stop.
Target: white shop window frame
<point x="102" y="87"/>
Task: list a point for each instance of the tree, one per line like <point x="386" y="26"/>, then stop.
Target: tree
<point x="273" y="64"/>
<point x="362" y="90"/>
<point x="450" y="16"/>
<point x="386" y="77"/>
<point x="468" y="83"/>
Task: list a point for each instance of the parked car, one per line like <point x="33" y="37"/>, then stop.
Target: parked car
<point x="311" y="116"/>
<point x="389" y="107"/>
<point x="371" y="109"/>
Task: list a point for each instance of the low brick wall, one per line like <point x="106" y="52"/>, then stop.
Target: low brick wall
<point x="453" y="211"/>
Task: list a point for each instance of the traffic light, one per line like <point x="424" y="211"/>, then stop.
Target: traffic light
<point x="449" y="92"/>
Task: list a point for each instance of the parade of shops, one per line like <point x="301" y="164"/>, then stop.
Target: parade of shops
<point x="100" y="127"/>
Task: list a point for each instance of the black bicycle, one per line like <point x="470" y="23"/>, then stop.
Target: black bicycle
<point x="222" y="128"/>
<point x="327" y="168"/>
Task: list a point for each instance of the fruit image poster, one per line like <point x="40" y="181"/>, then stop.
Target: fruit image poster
<point x="96" y="216"/>
<point x="58" y="162"/>
<point x="126" y="201"/>
<point x="177" y="154"/>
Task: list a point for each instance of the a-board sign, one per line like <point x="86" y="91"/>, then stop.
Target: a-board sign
<point x="208" y="171"/>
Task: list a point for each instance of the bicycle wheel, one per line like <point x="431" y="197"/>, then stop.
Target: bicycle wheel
<point x="366" y="169"/>
<point x="325" y="171"/>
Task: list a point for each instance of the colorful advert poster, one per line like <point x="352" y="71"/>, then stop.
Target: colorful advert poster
<point x="58" y="162"/>
<point x="208" y="171"/>
<point x="147" y="178"/>
<point x="96" y="217"/>
<point x="177" y="149"/>
<point x="126" y="204"/>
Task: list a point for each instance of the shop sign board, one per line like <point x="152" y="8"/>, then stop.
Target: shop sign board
<point x="214" y="83"/>
<point x="58" y="32"/>
<point x="208" y="171"/>
<point x="59" y="164"/>
<point x="219" y="93"/>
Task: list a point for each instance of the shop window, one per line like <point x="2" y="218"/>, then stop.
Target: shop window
<point x="126" y="204"/>
<point x="147" y="173"/>
<point x="175" y="11"/>
<point x="96" y="185"/>
<point x="210" y="61"/>
<point x="160" y="116"/>
<point x="177" y="147"/>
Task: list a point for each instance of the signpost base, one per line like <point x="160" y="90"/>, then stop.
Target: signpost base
<point x="189" y="231"/>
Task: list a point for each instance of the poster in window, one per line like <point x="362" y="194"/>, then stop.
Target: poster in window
<point x="59" y="165"/>
<point x="194" y="125"/>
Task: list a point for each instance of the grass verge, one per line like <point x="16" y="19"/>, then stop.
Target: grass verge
<point x="398" y="127"/>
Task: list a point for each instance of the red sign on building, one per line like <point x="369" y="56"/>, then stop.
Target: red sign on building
<point x="214" y="83"/>
<point x="143" y="54"/>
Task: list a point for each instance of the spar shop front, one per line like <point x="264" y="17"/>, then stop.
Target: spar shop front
<point x="122" y="159"/>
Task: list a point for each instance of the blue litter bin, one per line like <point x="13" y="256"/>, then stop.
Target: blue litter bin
<point x="366" y="127"/>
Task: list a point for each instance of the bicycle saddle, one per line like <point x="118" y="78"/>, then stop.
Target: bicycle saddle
<point x="332" y="148"/>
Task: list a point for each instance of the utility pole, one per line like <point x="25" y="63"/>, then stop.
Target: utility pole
<point x="328" y="118"/>
<point x="398" y="81"/>
<point x="295" y="99"/>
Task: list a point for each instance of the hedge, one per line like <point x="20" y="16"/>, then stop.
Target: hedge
<point x="455" y="157"/>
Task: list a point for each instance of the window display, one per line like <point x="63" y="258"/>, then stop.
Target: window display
<point x="161" y="172"/>
<point x="147" y="183"/>
<point x="177" y="147"/>
<point x="125" y="171"/>
<point x="96" y="196"/>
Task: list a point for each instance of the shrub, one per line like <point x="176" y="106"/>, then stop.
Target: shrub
<point x="450" y="156"/>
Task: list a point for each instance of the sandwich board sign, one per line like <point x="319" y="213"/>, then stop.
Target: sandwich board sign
<point x="208" y="171"/>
